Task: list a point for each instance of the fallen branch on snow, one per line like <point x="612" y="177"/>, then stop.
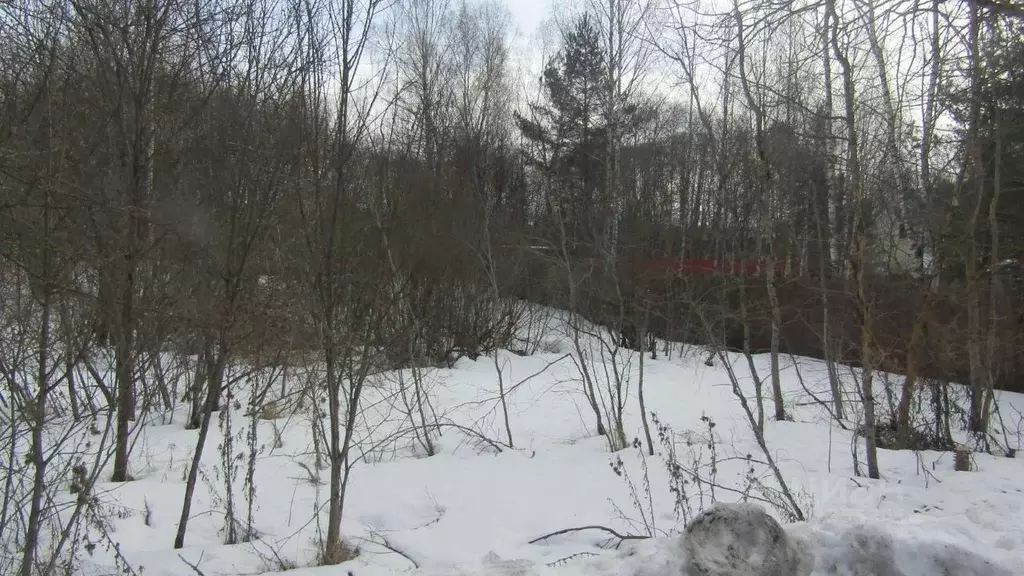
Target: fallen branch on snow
<point x="622" y="537"/>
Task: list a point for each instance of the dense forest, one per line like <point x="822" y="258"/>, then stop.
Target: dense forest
<point x="372" y="184"/>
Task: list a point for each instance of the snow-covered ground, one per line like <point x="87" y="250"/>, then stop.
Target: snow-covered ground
<point x="470" y="510"/>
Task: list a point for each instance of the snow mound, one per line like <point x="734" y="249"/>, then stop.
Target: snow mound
<point x="740" y="540"/>
<point x="871" y="550"/>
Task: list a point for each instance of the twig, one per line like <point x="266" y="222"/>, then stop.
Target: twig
<point x="382" y="541"/>
<point x="562" y="561"/>
<point x="622" y="537"/>
<point x="470" y="432"/>
<point x="818" y="401"/>
<point x="194" y="567"/>
<point x="518" y="384"/>
<point x="282" y="564"/>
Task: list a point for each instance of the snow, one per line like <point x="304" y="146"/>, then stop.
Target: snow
<point x="741" y="539"/>
<point x="469" y="510"/>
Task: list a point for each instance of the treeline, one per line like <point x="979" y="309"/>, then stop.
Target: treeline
<point x="365" y="184"/>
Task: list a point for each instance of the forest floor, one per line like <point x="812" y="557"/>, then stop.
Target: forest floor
<point x="470" y="509"/>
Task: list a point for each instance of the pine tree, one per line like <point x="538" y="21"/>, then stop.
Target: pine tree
<point x="571" y="127"/>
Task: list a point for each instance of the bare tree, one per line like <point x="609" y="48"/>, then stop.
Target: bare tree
<point x="128" y="67"/>
<point x="42" y="331"/>
<point x="859" y="255"/>
<point x="346" y="300"/>
<point x="240" y="202"/>
<point x="765" y="192"/>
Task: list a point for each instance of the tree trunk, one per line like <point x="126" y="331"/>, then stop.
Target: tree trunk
<point x="903" y="425"/>
<point x="995" y="284"/>
<point x="37" y="410"/>
<point x="198" y="391"/>
<point x="124" y="368"/>
<point x="823" y="220"/>
<point x="334" y="551"/>
<point x="773" y="299"/>
<point x="976" y="174"/>
<point x="758" y="385"/>
<point x="640" y="387"/>
<point x="860" y="254"/>
<point x="215" y="372"/>
<point x="766" y="231"/>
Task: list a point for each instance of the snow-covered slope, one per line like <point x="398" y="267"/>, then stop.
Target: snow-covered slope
<point x="472" y="510"/>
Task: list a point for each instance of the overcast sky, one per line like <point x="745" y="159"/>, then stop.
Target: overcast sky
<point x="528" y="14"/>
